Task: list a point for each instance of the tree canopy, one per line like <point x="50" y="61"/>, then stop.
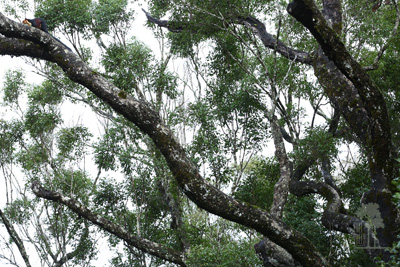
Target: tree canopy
<point x="260" y="133"/>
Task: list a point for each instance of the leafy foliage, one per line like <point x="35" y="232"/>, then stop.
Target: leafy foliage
<point x="220" y="105"/>
<point x="68" y="15"/>
<point x="258" y="186"/>
<point x="219" y="254"/>
<point x="13" y="85"/>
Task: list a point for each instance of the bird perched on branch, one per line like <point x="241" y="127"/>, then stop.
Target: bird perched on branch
<point x="42" y="25"/>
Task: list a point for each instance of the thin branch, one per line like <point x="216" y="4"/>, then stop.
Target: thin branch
<point x="77" y="250"/>
<point x="15" y="237"/>
<point x="375" y="65"/>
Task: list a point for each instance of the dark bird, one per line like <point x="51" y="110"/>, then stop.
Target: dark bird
<point x="42" y="25"/>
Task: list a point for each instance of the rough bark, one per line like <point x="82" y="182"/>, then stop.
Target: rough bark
<point x="186" y="174"/>
<point x="378" y="141"/>
<point x="273" y="255"/>
<point x="281" y="188"/>
<point x="362" y="104"/>
<point x="143" y="244"/>
<point x="270" y="42"/>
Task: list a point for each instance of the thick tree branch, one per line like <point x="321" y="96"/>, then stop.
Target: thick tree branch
<point x="362" y="104"/>
<point x="273" y="255"/>
<point x="143" y="244"/>
<point x="173" y="27"/>
<point x="379" y="139"/>
<point x="250" y="22"/>
<point x="334" y="216"/>
<point x="18" y="47"/>
<point x="271" y="42"/>
<point x="328" y="179"/>
<point x="186" y="174"/>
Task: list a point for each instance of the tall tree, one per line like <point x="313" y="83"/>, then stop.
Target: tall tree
<point x="247" y="87"/>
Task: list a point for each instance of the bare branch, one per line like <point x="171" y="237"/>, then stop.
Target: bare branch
<point x="173" y="27"/>
<point x="271" y="42"/>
